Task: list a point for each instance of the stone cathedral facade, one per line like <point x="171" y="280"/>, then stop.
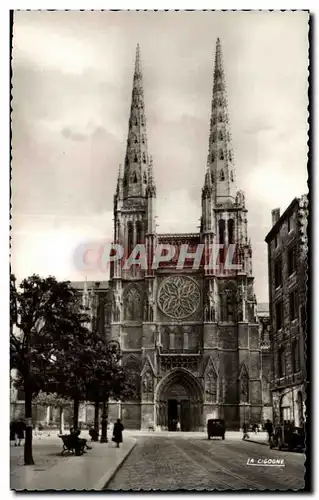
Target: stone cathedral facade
<point x="189" y="336"/>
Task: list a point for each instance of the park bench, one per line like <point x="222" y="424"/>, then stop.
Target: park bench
<point x="72" y="444"/>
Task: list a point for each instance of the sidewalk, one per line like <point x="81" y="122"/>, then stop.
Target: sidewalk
<point x="91" y="471"/>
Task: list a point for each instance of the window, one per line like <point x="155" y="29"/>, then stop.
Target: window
<point x="293" y="305"/>
<point x="145" y="178"/>
<point x="144" y="158"/>
<point x="134" y="178"/>
<point x="126" y="161"/>
<point x="221" y="227"/>
<point x="278" y="272"/>
<point x="212" y="177"/>
<point x="138" y="232"/>
<point x="135" y="159"/>
<point x="279" y="315"/>
<point x="291" y="260"/>
<point x="221" y="137"/>
<point x="230" y="156"/>
<point x="125" y="180"/>
<point x="220" y="118"/>
<point x="214" y="136"/>
<point x="295" y="356"/>
<point x="231" y="176"/>
<point x="222" y="176"/>
<point x="281" y="362"/>
<point x="213" y="157"/>
<point x="214" y="120"/>
<point x="20" y="395"/>
<point x="130" y="237"/>
<point x="231" y="224"/>
<point x="136" y="141"/>
<point x="221" y="154"/>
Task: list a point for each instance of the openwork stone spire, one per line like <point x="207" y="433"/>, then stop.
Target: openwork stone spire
<point x="220" y="152"/>
<point x="136" y="158"/>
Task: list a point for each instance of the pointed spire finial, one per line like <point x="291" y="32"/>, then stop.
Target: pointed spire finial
<point x="138" y="68"/>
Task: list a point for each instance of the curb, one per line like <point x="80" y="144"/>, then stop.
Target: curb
<point x="257" y="442"/>
<point x="104" y="481"/>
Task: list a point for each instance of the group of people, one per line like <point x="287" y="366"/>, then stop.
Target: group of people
<point x="17" y="430"/>
<point x="255" y="429"/>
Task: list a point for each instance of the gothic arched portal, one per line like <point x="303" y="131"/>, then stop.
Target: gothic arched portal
<point x="179" y="399"/>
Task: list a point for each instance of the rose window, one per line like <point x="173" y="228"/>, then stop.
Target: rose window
<point x="178" y="297"/>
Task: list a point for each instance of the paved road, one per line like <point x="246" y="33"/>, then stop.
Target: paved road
<point x="192" y="462"/>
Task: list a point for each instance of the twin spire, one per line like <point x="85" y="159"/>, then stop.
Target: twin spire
<point x="220" y="160"/>
<point x="137" y="178"/>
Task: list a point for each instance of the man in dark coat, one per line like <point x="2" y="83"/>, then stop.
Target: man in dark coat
<point x="269" y="429"/>
<point x="117" y="432"/>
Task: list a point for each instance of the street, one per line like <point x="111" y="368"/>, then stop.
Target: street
<point x="187" y="461"/>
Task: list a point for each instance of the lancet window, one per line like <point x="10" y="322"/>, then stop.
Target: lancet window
<point x="231" y="225"/>
<point x="222" y="175"/>
<point x="221" y="228"/>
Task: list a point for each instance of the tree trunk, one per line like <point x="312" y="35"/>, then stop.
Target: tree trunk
<point x="96" y="416"/>
<point x="61" y="420"/>
<point x="76" y="413"/>
<point x="28" y="458"/>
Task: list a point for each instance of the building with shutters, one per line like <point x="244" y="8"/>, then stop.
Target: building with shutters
<point x="287" y="265"/>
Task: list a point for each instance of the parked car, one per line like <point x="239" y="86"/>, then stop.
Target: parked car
<point x="216" y="428"/>
<point x="288" y="436"/>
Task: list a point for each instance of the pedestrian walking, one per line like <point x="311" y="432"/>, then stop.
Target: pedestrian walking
<point x="117" y="432"/>
<point x="269" y="429"/>
<point x="245" y="431"/>
<point x="19" y="432"/>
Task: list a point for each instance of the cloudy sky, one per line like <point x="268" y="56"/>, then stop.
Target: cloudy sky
<point x="72" y="81"/>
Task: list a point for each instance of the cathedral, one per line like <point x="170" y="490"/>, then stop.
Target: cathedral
<point x="189" y="336"/>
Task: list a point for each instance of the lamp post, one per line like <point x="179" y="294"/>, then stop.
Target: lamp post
<point x="115" y="347"/>
<point x="104" y="423"/>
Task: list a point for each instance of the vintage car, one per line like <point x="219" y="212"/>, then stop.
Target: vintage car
<point x="216" y="428"/>
<point x="288" y="436"/>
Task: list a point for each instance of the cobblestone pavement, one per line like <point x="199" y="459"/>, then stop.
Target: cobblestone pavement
<point x="194" y="463"/>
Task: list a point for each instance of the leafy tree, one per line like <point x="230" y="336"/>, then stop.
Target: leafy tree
<point x="45" y="316"/>
<point x="108" y="378"/>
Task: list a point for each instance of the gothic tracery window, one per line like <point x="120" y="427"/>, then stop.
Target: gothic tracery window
<point x="132" y="304"/>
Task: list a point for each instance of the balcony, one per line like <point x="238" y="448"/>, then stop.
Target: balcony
<point x="287" y="381"/>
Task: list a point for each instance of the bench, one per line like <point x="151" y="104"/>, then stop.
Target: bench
<point x="72" y="444"/>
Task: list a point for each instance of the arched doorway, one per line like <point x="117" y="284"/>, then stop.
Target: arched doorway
<point x="179" y="400"/>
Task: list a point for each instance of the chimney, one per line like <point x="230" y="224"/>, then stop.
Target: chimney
<point x="275" y="216"/>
